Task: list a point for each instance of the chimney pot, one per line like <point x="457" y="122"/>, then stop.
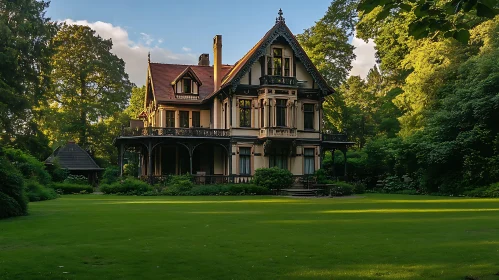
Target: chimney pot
<point x="204" y="60"/>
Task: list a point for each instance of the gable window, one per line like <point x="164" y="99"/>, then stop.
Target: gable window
<point x="244" y="161"/>
<point x="309" y="158"/>
<point x="170" y="118"/>
<point x="281" y="112"/>
<point x="187" y="85"/>
<point x="277" y="59"/>
<point x="287" y="62"/>
<point x="308" y="116"/>
<point x="184" y="119"/>
<point x="196" y="119"/>
<point x="244" y="113"/>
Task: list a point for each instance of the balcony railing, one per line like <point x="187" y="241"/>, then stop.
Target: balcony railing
<point x="283" y="132"/>
<point x="187" y="96"/>
<point x="278" y="80"/>
<point x="336" y="137"/>
<point x="171" y="131"/>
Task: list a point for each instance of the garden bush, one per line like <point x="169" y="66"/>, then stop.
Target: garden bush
<point x="489" y="191"/>
<point x="273" y="178"/>
<point x="13" y="200"/>
<point x="128" y="186"/>
<point x="111" y="175"/>
<point x="70" y="188"/>
<point x="36" y="192"/>
<point x="228" y="189"/>
<point x="57" y="173"/>
<point x="341" y="189"/>
<point x="29" y="166"/>
<point x="178" y="185"/>
<point x="359" y="187"/>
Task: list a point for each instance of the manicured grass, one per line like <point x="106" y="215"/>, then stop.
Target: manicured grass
<point x="376" y="237"/>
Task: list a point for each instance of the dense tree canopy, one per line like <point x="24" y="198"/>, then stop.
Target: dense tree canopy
<point x="89" y="85"/>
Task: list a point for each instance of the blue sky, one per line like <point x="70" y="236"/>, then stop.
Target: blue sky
<point x="178" y="31"/>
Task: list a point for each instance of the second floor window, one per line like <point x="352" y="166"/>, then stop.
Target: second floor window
<point x="187" y="85"/>
<point x="170" y="118"/>
<point x="244" y="160"/>
<point x="308" y="116"/>
<point x="184" y="119"/>
<point x="280" y="112"/>
<point x="244" y="113"/>
<point x="196" y="119"/>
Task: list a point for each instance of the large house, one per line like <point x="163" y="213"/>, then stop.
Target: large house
<point x="229" y="120"/>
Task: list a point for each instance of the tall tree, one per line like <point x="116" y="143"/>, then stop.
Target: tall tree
<point x="25" y="34"/>
<point x="327" y="42"/>
<point x="89" y="84"/>
<point x="136" y="104"/>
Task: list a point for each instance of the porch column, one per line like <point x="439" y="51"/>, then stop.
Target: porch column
<point x="190" y="159"/>
<point x="230" y="162"/>
<point x="321" y="154"/>
<point x="149" y="161"/>
<point x="120" y="159"/>
<point x="266" y="108"/>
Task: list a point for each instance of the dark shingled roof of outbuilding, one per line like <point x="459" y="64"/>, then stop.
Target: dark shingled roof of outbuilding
<point x="73" y="157"/>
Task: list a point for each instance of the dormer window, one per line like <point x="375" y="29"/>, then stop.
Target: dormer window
<point x="187" y="85"/>
<point x="278" y="64"/>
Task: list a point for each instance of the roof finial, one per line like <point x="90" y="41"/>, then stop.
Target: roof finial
<point x="279" y="18"/>
<point x="148" y="57"/>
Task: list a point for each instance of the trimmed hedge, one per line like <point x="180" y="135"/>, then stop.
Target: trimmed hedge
<point x="223" y="189"/>
<point x="341" y="189"/>
<point x="69" y="188"/>
<point x="490" y="191"/>
<point x="111" y="175"/>
<point x="37" y="192"/>
<point x="273" y="178"/>
<point x="128" y="186"/>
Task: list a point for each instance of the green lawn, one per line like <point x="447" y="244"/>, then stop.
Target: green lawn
<point x="375" y="237"/>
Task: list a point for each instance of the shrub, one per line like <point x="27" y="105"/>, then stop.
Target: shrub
<point x="13" y="200"/>
<point x="29" y="166"/>
<point x="490" y="191"/>
<point x="58" y="173"/>
<point x="341" y="189"/>
<point x="229" y="189"/>
<point x="111" y="175"/>
<point x="37" y="192"/>
<point x="76" y="179"/>
<point x="359" y="187"/>
<point x="179" y="185"/>
<point x="70" y="188"/>
<point x="128" y="186"/>
<point x="273" y="178"/>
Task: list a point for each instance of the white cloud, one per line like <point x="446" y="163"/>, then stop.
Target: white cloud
<point x="365" y="59"/>
<point x="135" y="53"/>
<point x="186" y="49"/>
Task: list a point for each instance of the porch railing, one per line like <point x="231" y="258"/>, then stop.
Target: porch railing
<point x="334" y="137"/>
<point x="277" y="132"/>
<point x="205" y="179"/>
<point x="172" y="131"/>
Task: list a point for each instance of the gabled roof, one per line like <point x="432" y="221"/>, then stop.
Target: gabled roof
<point x="163" y="74"/>
<point x="280" y="29"/>
<point x="191" y="73"/>
<point x="73" y="157"/>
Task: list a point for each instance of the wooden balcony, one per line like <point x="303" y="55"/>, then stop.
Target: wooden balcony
<point x="171" y="131"/>
<point x="187" y="96"/>
<point x="278" y="80"/>
<point x="278" y="132"/>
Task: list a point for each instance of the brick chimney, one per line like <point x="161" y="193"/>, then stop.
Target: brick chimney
<point x="204" y="60"/>
<point x="217" y="64"/>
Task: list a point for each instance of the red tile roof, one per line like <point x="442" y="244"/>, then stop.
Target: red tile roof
<point x="163" y="74"/>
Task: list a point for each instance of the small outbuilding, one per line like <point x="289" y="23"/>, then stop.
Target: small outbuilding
<point x="76" y="160"/>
